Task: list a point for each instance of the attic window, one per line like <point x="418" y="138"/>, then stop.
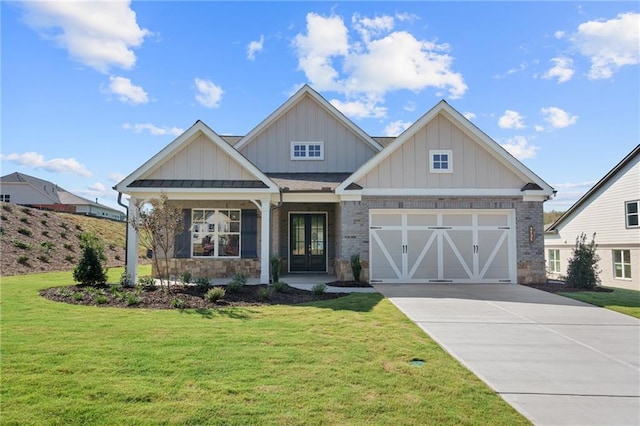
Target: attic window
<point x="440" y="161"/>
<point x="307" y="150"/>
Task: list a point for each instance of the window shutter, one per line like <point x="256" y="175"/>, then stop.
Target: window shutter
<point x="182" y="247"/>
<point x="249" y="234"/>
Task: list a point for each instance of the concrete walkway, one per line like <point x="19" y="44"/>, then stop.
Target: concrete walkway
<point x="556" y="360"/>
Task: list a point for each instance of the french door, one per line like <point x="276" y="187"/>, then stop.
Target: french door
<point x="307" y="242"/>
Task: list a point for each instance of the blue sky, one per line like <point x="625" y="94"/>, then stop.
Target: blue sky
<point x="92" y="90"/>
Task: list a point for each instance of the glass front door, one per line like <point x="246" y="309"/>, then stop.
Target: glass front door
<point x="307" y="235"/>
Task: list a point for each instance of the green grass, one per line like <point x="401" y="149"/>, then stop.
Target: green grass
<point x="621" y="300"/>
<point x="343" y="361"/>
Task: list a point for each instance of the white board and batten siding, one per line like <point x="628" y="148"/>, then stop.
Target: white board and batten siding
<point x="434" y="246"/>
<point x="200" y="159"/>
<point x="307" y="121"/>
<point x="473" y="165"/>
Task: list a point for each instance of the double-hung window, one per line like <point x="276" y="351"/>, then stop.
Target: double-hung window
<point x="622" y="264"/>
<point x="554" y="261"/>
<point x="440" y="161"/>
<point x="307" y="150"/>
<point x="5" y="197"/>
<point x="631" y="210"/>
<point x="215" y="232"/>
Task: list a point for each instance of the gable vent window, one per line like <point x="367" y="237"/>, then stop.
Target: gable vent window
<point x="441" y="161"/>
<point x="631" y="208"/>
<point x="307" y="150"/>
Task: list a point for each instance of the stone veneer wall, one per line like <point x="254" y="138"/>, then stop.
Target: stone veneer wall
<point x="353" y="235"/>
<point x="210" y="268"/>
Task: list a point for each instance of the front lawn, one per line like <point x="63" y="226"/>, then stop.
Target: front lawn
<point x="341" y="361"/>
<point x="621" y="300"/>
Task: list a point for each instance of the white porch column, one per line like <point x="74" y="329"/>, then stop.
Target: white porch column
<point x="265" y="232"/>
<point x="132" y="242"/>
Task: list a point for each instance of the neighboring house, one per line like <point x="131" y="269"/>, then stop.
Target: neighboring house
<point x="442" y="202"/>
<point x="19" y="188"/>
<point x="610" y="210"/>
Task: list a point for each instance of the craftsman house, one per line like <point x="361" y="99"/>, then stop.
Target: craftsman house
<point x="610" y="209"/>
<point x="442" y="202"/>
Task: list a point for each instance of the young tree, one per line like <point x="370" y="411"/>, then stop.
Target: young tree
<point x="158" y="227"/>
<point x="91" y="268"/>
<point x="583" y="271"/>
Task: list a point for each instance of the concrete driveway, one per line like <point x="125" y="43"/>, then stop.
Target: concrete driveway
<point x="556" y="360"/>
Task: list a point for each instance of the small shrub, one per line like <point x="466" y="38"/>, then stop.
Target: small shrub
<point x="24" y="220"/>
<point x="132" y="299"/>
<point x="24" y="231"/>
<point x="116" y="257"/>
<point x="116" y="290"/>
<point x="64" y="234"/>
<point x="235" y="286"/>
<point x="275" y="268"/>
<point x="101" y="299"/>
<point x="43" y="222"/>
<point x="240" y="277"/>
<point x="45" y="214"/>
<point x="47" y="245"/>
<point x="26" y="210"/>
<point x="68" y="246"/>
<point x="177" y="303"/>
<point x="2" y="231"/>
<point x="44" y="258"/>
<point x="112" y="246"/>
<point x="319" y="289"/>
<point x="356" y="267"/>
<point x="185" y="277"/>
<point x="147" y="282"/>
<point x="23" y="260"/>
<point x="214" y="294"/>
<point x="264" y="293"/>
<point x="78" y="296"/>
<point x="90" y="269"/>
<point x="21" y="245"/>
<point x="64" y="225"/>
<point x="280" y="287"/>
<point x="78" y="227"/>
<point x="45" y="234"/>
<point x="3" y="217"/>
<point x="202" y="283"/>
<point x="125" y="279"/>
<point x="64" y="292"/>
<point x="7" y="207"/>
<point x="69" y="258"/>
<point x="582" y="270"/>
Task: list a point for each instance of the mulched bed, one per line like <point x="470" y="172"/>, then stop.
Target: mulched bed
<point x="349" y="284"/>
<point x="557" y="286"/>
<point x="192" y="296"/>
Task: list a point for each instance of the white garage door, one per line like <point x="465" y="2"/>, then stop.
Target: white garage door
<point x="408" y="246"/>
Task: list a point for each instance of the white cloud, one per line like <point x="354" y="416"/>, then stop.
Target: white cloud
<point x="34" y="160"/>
<point x="97" y="190"/>
<point x="610" y="44"/>
<point x="98" y="34"/>
<point x="360" y="108"/>
<point x="538" y="128"/>
<point x="153" y="129"/>
<point x="469" y="115"/>
<point x="559" y="34"/>
<point x="373" y="60"/>
<point x="572" y="185"/>
<point x="520" y="148"/>
<point x="396" y="127"/>
<point x="255" y="47"/>
<point x="410" y="106"/>
<point x="208" y="95"/>
<point x="558" y="118"/>
<point x="116" y="177"/>
<point x="511" y="120"/>
<point x="126" y="91"/>
<point x="562" y="69"/>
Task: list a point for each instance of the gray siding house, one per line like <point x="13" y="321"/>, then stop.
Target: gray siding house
<point x="442" y="202"/>
<point x="610" y="210"/>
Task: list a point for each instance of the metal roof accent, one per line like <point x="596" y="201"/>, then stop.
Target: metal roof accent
<point x="312" y="182"/>
<point x="197" y="183"/>
<point x="531" y="187"/>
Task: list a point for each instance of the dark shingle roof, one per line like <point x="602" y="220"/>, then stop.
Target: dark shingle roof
<point x="197" y="183"/>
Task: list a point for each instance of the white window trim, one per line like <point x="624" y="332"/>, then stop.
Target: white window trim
<point x="626" y="215"/>
<point x="623" y="262"/>
<point x="448" y="152"/>
<point x="216" y="234"/>
<point x="306" y="145"/>
<point x="555" y="261"/>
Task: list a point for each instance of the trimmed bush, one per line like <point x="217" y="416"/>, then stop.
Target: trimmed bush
<point x="90" y="269"/>
<point x="264" y="293"/>
<point x="280" y="287"/>
<point x="583" y="271"/>
<point x="319" y="289"/>
<point x="186" y="277"/>
<point x="177" y="303"/>
<point x="275" y="268"/>
<point x="356" y="267"/>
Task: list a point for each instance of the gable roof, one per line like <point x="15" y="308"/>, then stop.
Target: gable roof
<point x="184" y="138"/>
<point x="478" y="135"/>
<point x="591" y="193"/>
<point x="304" y="91"/>
<point x="56" y="194"/>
